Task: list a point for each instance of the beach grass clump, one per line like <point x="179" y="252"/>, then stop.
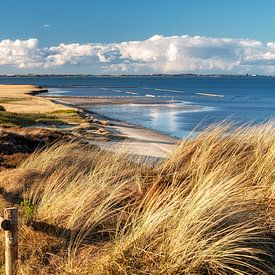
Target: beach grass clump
<point x="208" y="209"/>
<point x="69" y="116"/>
<point x="13" y="119"/>
<point x="60" y="117"/>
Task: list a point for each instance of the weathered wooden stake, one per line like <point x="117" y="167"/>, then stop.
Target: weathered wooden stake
<point x="11" y="240"/>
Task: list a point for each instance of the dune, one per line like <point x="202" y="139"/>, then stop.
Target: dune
<point x="208" y="209"/>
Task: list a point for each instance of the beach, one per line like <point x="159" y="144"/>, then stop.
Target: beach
<point x="137" y="140"/>
<point x="22" y="99"/>
<point x="120" y="137"/>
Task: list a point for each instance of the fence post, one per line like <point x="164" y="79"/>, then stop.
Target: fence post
<point x="11" y="240"/>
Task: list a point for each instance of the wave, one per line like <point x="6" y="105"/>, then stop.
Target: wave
<point x="166" y="90"/>
<point x="210" y="94"/>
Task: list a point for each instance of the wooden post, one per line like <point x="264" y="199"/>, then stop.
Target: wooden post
<point x="11" y="240"/>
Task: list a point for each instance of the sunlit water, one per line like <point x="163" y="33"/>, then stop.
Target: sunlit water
<point x="154" y="116"/>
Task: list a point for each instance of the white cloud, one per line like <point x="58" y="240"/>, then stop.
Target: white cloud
<point x="158" y="54"/>
<point x="46" y="26"/>
<point x="20" y="53"/>
<point x="67" y="53"/>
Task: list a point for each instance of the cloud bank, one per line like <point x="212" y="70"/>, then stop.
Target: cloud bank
<point x="158" y="54"/>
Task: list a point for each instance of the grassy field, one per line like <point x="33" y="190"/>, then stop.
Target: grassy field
<point x="208" y="209"/>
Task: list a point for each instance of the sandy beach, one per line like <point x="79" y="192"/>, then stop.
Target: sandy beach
<point x="127" y="138"/>
<point x="139" y="141"/>
<point x="22" y="99"/>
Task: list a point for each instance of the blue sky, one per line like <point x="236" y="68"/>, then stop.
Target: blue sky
<point x="121" y="20"/>
<point x="110" y="22"/>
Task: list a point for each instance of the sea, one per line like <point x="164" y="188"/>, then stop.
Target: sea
<point x="239" y="100"/>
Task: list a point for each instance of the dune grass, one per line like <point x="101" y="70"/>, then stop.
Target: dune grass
<point x="208" y="209"/>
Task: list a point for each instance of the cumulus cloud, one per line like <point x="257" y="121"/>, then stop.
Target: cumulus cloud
<point x="158" y="54"/>
<point x="70" y="53"/>
<point x="20" y="53"/>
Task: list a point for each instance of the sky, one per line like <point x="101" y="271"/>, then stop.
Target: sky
<point x="137" y="36"/>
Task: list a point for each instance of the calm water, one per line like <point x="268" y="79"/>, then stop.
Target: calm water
<point x="240" y="99"/>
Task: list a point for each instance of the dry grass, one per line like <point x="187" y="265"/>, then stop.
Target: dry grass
<point x="208" y="209"/>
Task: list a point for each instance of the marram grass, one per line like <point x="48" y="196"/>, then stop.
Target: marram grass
<point x="208" y="209"/>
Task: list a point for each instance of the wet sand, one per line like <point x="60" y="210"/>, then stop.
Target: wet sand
<point x="84" y="101"/>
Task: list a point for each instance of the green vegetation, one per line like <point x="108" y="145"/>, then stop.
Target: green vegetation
<point x="14" y="119"/>
<point x="29" y="208"/>
<point x="60" y="117"/>
<point x="208" y="209"/>
<point x="64" y="112"/>
<point x="69" y="115"/>
<point x="11" y="99"/>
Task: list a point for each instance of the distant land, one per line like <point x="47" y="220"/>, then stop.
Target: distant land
<point x="135" y="75"/>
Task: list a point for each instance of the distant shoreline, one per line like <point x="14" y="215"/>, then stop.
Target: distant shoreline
<point x="187" y="75"/>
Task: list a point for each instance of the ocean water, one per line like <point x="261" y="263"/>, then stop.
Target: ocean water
<point x="240" y="100"/>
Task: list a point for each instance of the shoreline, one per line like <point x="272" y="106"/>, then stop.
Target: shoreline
<point x="113" y="120"/>
<point x="116" y="100"/>
<point x="140" y="140"/>
<point x="87" y="103"/>
<point x="125" y="138"/>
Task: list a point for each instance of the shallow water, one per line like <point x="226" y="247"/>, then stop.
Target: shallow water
<point x="155" y="116"/>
